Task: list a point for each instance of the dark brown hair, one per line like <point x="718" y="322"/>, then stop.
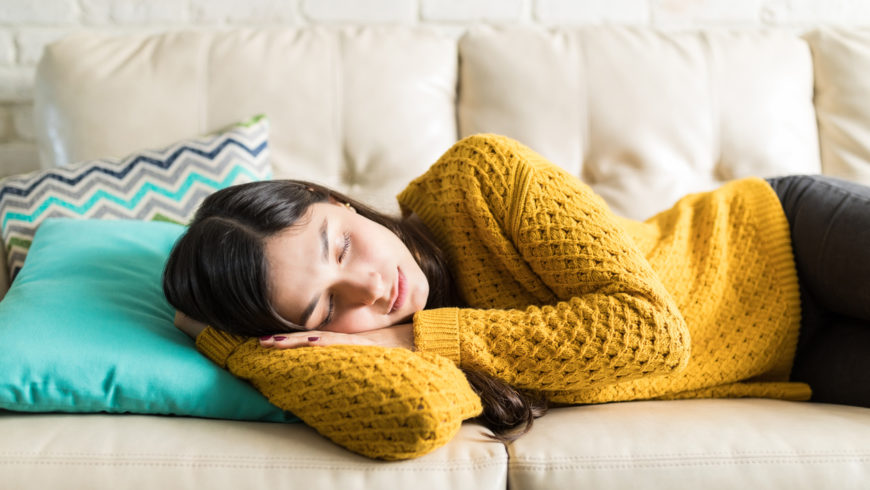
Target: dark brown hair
<point x="217" y="274"/>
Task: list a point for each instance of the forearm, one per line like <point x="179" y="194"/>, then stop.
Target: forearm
<point x="379" y="402"/>
<point x="588" y="341"/>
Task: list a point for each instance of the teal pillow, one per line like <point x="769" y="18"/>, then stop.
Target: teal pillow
<point x="85" y="327"/>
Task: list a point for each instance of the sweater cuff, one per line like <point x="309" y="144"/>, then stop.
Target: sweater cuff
<point x="437" y="331"/>
<point x="218" y="345"/>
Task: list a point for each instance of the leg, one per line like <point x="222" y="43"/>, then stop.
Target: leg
<point x="830" y="229"/>
<point x="836" y="362"/>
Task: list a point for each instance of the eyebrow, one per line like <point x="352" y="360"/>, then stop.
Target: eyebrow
<point x="324" y="245"/>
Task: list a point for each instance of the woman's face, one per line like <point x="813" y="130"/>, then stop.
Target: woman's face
<point x="338" y="271"/>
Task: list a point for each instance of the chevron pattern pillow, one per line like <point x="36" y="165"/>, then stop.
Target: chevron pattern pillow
<point x="167" y="184"/>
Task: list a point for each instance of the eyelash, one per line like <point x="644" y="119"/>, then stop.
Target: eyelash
<point x="341" y="257"/>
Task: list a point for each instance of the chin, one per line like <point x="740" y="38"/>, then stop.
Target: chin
<point x="407" y="319"/>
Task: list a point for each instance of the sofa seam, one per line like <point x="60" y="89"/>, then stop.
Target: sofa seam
<point x="175" y="456"/>
<point x="385" y="467"/>
<point x="739" y="454"/>
<point x="677" y="464"/>
<point x="583" y="81"/>
<point x="206" y="46"/>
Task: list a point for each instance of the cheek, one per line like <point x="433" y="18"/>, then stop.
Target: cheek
<point x="376" y="243"/>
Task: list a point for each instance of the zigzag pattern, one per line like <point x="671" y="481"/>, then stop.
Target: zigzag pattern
<point x="169" y="179"/>
<point x="167" y="184"/>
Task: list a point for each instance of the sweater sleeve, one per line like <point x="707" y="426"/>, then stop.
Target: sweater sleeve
<point x="384" y="403"/>
<point x="600" y="314"/>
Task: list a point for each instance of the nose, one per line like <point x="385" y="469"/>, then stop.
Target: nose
<point x="363" y="287"/>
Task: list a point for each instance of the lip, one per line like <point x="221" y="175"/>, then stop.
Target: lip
<point x="399" y="296"/>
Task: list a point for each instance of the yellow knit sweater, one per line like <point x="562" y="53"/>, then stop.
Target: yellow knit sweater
<point x="565" y="298"/>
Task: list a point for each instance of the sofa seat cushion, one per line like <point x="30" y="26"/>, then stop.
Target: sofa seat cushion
<point x="691" y="444"/>
<point x="142" y="451"/>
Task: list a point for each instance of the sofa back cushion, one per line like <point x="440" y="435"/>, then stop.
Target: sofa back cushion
<point x="645" y="116"/>
<point x="841" y="61"/>
<point x="363" y="110"/>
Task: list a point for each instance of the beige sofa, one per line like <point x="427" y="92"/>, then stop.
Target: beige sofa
<point x="642" y="116"/>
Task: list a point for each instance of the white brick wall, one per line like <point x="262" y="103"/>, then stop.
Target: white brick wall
<point x="816" y="11"/>
<point x="28" y="25"/>
<point x="681" y="12"/>
<point x="560" y="12"/>
<point x="472" y="10"/>
<point x="39" y="12"/>
<point x="255" y="12"/>
<point x="360" y="11"/>
<point x="135" y="12"/>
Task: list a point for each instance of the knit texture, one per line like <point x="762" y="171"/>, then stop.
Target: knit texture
<point x="570" y="300"/>
<point x="565" y="298"/>
<point x="382" y="403"/>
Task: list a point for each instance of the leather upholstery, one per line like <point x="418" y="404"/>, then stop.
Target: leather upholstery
<point x="692" y="444"/>
<point x="645" y="117"/>
<point x="841" y="63"/>
<point x="362" y="110"/>
<point x="141" y="451"/>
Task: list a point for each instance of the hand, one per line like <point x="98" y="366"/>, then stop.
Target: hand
<point x="395" y="336"/>
<point x="188" y="325"/>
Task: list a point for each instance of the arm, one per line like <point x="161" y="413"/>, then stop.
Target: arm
<point x="188" y="325"/>
<point x="394" y="336"/>
<point x="401" y="335"/>
<point x="379" y="402"/>
<point x="600" y="314"/>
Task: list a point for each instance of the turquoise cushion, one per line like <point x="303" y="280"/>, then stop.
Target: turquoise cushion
<point x="85" y="327"/>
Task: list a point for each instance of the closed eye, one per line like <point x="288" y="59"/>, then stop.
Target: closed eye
<point x="344" y="250"/>
<point x="345" y="247"/>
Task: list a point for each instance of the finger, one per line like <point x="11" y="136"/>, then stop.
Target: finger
<point x="266" y="341"/>
<point x="289" y="341"/>
<point x="270" y="340"/>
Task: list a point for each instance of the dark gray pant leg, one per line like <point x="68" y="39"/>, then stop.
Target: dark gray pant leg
<point x="830" y="231"/>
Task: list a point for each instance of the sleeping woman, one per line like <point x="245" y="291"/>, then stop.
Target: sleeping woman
<point x="507" y="286"/>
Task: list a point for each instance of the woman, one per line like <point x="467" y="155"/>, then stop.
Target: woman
<point x="529" y="285"/>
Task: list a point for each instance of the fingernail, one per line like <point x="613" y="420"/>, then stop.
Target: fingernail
<point x="279" y="337"/>
<point x="265" y="337"/>
<point x="313" y="339"/>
